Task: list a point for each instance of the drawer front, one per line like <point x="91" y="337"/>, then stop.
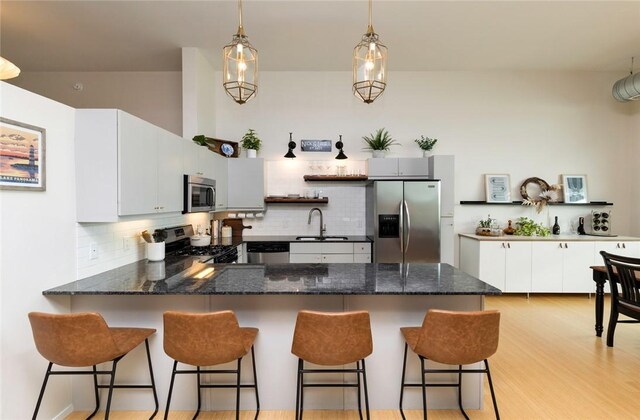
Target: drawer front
<point x="305" y="258"/>
<point x="337" y="258"/>
<point x="362" y="248"/>
<point x="336" y="248"/>
<point x="361" y="258"/>
<point x="306" y="248"/>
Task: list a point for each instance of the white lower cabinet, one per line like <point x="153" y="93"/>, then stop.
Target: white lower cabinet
<point x="539" y="266"/>
<point x="562" y="267"/>
<point x="330" y="252"/>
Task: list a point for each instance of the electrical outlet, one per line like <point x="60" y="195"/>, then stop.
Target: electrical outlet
<point x="127" y="242"/>
<point x="93" y="251"/>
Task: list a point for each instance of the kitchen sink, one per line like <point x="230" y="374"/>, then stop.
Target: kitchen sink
<point x="322" y="238"/>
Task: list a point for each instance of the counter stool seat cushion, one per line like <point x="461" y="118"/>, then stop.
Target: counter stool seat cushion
<point x="127" y="339"/>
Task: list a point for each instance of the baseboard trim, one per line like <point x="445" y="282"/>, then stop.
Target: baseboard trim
<point x="64" y="413"/>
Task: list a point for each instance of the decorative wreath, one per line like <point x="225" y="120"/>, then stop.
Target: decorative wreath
<point x="547" y="193"/>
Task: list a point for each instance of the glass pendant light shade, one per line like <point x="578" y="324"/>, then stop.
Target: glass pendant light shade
<point x="8" y="70"/>
<point x="240" y="71"/>
<point x="369" y="66"/>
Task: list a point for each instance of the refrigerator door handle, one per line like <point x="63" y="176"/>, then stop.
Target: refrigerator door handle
<point x="406" y="245"/>
<point x="402" y="226"/>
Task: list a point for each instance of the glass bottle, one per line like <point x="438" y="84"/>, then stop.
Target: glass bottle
<point x="556" y="227"/>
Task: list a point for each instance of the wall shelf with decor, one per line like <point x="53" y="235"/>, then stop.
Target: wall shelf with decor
<point x="296" y="200"/>
<point x="334" y="178"/>
<point x="519" y="203"/>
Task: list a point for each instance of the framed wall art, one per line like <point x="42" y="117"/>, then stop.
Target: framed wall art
<point x="498" y="188"/>
<point x="575" y="189"/>
<point x="22" y="156"/>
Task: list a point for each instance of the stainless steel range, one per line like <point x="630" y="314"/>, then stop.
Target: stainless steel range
<point x="177" y="243"/>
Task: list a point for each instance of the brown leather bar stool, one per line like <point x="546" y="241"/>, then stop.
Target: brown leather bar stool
<point x="208" y="339"/>
<point x="452" y="338"/>
<point x="332" y="339"/>
<point x="83" y="340"/>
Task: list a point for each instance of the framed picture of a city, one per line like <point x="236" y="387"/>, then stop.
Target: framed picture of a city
<point x="22" y="156"/>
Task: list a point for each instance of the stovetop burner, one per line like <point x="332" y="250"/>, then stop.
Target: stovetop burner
<point x="178" y="243"/>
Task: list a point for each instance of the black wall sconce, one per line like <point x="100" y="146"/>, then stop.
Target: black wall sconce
<point x="291" y="145"/>
<point x="339" y="146"/>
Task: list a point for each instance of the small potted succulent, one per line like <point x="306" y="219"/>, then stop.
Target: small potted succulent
<point x="379" y="142"/>
<point x="251" y="143"/>
<point x="426" y="144"/>
<point x="488" y="227"/>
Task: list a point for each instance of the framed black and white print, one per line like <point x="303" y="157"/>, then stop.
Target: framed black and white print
<point x="22" y="156"/>
<point x="575" y="189"/>
<point x="498" y="188"/>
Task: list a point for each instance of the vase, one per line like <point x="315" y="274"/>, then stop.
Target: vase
<point x="251" y="153"/>
<point x="378" y="153"/>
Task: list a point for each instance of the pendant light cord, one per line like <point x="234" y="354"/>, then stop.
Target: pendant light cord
<point x="240" y="12"/>
<point x="370" y="28"/>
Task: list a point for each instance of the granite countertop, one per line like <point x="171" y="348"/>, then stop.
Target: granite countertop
<point x="562" y="238"/>
<point x="287" y="238"/>
<point x="189" y="276"/>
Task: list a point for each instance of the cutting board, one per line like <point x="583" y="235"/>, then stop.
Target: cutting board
<point x="236" y="226"/>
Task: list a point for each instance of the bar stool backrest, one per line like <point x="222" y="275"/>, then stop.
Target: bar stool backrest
<point x="203" y="339"/>
<point x="331" y="339"/>
<point x="459" y="338"/>
<point x="74" y="340"/>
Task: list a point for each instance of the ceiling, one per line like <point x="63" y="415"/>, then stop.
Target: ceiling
<point x="320" y="35"/>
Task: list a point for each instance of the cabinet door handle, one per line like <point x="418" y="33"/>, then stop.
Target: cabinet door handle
<point x="503" y="245"/>
<point x="560" y="245"/>
<point x="566" y="245"/>
<point x="617" y="245"/>
<point x="508" y="245"/>
<point x="624" y="246"/>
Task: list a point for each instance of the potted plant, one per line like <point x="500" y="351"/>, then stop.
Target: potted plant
<point x="426" y="144"/>
<point x="251" y="143"/>
<point x="379" y="142"/>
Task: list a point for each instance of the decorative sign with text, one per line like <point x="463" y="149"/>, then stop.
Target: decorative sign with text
<point x="315" y="145"/>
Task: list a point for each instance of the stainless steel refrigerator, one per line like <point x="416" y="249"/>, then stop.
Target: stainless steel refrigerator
<point x="403" y="218"/>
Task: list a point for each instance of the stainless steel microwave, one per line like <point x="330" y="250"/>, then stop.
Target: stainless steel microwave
<point x="199" y="194"/>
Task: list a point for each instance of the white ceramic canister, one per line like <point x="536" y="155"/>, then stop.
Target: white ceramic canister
<point x="155" y="251"/>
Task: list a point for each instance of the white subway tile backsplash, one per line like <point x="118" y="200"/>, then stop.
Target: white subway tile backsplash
<point x="110" y="237"/>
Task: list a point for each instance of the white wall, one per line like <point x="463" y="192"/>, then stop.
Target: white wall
<point x="37" y="252"/>
<point x="635" y="180"/>
<point x="198" y="94"/>
<point x="524" y="124"/>
<point x="153" y="96"/>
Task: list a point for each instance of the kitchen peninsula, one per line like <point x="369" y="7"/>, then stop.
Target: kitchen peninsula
<point x="268" y="296"/>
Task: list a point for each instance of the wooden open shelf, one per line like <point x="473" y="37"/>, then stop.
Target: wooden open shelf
<point x="519" y="203"/>
<point x="296" y="200"/>
<point x="334" y="178"/>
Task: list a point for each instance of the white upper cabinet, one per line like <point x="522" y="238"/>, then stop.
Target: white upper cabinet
<point x="397" y="167"/>
<point x="442" y="167"/>
<point x="246" y="184"/>
<point x="125" y="166"/>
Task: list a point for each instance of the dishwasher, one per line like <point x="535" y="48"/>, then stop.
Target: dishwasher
<point x="267" y="252"/>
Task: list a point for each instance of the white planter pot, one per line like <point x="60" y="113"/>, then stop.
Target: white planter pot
<point x="426" y="153"/>
<point x="251" y="153"/>
<point x="378" y="153"/>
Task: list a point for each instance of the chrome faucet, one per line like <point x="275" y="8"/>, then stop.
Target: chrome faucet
<point x="323" y="228"/>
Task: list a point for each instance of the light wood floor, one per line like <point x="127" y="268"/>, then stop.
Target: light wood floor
<point x="549" y="365"/>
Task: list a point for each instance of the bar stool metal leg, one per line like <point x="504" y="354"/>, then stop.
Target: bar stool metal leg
<point x="113" y="378"/>
<point x="255" y="381"/>
<point x="460" y="392"/>
<point x="424" y="389"/>
<point x="493" y="395"/>
<point x="97" y="392"/>
<point x="238" y="391"/>
<point x="199" y="391"/>
<point x="173" y="378"/>
<point x="366" y="392"/>
<point x="359" y="391"/>
<point x="404" y="369"/>
<point x="44" y="385"/>
<point x="153" y="381"/>
<point x="298" y="389"/>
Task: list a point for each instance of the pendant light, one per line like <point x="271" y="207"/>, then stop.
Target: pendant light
<point x="627" y="89"/>
<point x="291" y="145"/>
<point x="8" y="70"/>
<point x="339" y="146"/>
<point x="369" y="66"/>
<point x="240" y="72"/>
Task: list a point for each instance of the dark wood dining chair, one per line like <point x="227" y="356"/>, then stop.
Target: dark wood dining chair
<point x="625" y="300"/>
